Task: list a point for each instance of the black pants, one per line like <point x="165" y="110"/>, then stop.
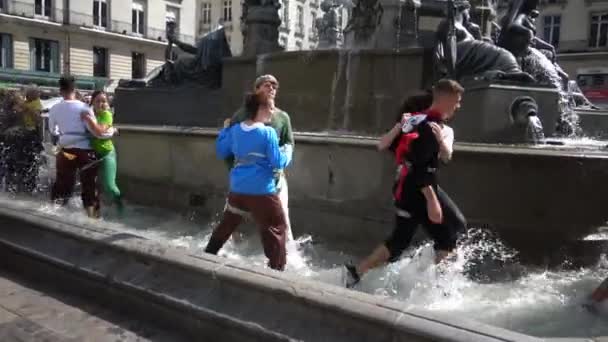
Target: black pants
<point x="408" y="219"/>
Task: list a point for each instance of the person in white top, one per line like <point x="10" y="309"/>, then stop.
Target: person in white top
<point x="75" y="151"/>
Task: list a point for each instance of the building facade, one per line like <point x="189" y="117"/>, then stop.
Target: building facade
<point x="96" y="39"/>
<point x="297" y="30"/>
<point x="579" y="31"/>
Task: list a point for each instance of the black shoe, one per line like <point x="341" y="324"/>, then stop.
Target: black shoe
<point x="352" y="276"/>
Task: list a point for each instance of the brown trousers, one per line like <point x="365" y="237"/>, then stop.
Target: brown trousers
<point x="268" y="214"/>
<point x="68" y="161"/>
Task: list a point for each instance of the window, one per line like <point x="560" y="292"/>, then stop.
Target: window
<point x="340" y="17"/>
<point x="137" y="17"/>
<point x="227" y="11"/>
<point x="44" y="55"/>
<point x="43" y="8"/>
<point x="6" y="51"/>
<point x="283" y="41"/>
<point x="285" y="18"/>
<point x="2" y="6"/>
<point x="551" y="29"/>
<point x="597" y="80"/>
<point x="299" y="45"/>
<point x="172" y="16"/>
<point x="138" y="65"/>
<point x="100" y="62"/>
<point x="300" y="16"/>
<point x="599" y="30"/>
<point x="206" y="13"/>
<point x="313" y="34"/>
<point x="100" y="13"/>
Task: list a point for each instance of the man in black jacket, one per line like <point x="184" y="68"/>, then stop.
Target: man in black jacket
<point x="416" y="141"/>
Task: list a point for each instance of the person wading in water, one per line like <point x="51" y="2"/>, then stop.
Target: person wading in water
<point x="266" y="87"/>
<point x="100" y="124"/>
<point x="75" y="150"/>
<point x="253" y="188"/>
<point x="420" y="141"/>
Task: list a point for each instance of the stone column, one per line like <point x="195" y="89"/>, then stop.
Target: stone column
<point x="398" y="27"/>
<point x="483" y="13"/>
<point x="262" y="34"/>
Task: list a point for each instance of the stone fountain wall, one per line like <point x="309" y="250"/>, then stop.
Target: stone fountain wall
<point x="354" y="92"/>
<point x="339" y="187"/>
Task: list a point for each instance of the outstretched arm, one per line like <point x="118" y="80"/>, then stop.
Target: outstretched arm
<point x="186" y="47"/>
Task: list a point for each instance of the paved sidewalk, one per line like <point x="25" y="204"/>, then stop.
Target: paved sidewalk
<point x="28" y="315"/>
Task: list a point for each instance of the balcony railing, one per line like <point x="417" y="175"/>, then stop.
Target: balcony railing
<point x="28" y="10"/>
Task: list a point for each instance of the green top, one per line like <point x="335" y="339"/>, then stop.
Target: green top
<point x="280" y="122"/>
<point x="103" y="146"/>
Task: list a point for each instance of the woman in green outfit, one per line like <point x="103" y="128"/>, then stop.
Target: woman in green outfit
<point x="100" y="125"/>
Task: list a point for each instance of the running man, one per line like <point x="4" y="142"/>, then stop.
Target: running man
<point x="266" y="87"/>
<point x="253" y="188"/>
<point x="75" y="150"/>
<point x="420" y="141"/>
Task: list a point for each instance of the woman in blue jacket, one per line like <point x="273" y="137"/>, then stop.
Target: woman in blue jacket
<point x="255" y="148"/>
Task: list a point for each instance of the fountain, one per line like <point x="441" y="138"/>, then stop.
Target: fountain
<point x="503" y="176"/>
<point x="342" y="97"/>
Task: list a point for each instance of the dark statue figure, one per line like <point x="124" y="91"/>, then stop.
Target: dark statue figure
<point x="203" y="66"/>
<point x="327" y="26"/>
<point x="460" y="53"/>
<point x="364" y="19"/>
<point x="518" y="35"/>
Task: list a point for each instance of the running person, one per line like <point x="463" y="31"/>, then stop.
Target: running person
<point x="102" y="124"/>
<point x="266" y="86"/>
<point x="420" y="141"/>
<point x="253" y="188"/>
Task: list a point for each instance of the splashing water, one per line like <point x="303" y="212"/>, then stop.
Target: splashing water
<point x="534" y="132"/>
<point x="538" y="65"/>
<point x="485" y="282"/>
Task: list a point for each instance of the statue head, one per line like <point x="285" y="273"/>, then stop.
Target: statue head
<point x="327" y="5"/>
<point x="529" y="5"/>
<point x="462" y="5"/>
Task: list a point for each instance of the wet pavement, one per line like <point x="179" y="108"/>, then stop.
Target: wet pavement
<point x="29" y="312"/>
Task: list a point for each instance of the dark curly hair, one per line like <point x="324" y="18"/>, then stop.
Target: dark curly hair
<point x="252" y="103"/>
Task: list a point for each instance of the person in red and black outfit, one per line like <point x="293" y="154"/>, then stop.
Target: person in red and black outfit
<point x="419" y="146"/>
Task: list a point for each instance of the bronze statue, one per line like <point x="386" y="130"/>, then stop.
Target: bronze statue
<point x="365" y="17"/>
<point x="518" y="35"/>
<point x="203" y="66"/>
<point x="327" y="26"/>
<point x="471" y="57"/>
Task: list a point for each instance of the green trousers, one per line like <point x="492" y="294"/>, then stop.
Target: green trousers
<point x="108" y="176"/>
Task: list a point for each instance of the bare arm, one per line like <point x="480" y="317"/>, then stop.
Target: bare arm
<point x="387" y="139"/>
<point x="445" y="153"/>
<point x="94" y="127"/>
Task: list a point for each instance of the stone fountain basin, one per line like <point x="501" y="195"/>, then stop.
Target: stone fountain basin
<point x="535" y="198"/>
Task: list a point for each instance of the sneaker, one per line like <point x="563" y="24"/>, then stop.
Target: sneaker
<point x="352" y="276"/>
